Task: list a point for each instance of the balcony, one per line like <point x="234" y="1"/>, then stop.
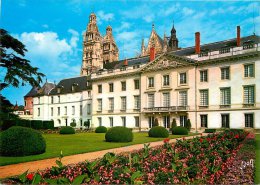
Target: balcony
<point x="248" y="105"/>
<point x="166" y="109"/>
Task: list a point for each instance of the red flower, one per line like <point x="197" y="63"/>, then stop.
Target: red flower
<point x="208" y="139"/>
<point x="201" y="140"/>
<point x="183" y="138"/>
<point x="166" y="140"/>
<point x="29" y="176"/>
<point x="236" y="136"/>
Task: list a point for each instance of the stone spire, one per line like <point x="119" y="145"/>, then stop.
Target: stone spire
<point x="92" y="47"/>
<point x="173" y="42"/>
<point x="165" y="44"/>
<point x="142" y="48"/>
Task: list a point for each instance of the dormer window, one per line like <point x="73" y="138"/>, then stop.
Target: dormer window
<point x="58" y="90"/>
<point x="87" y="83"/>
<point x="74" y="86"/>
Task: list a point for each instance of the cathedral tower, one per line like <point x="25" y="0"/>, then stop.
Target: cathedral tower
<point x="173" y="42"/>
<point x="92" y="47"/>
<point x="110" y="50"/>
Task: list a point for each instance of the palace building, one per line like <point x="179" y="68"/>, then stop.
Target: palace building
<point x="215" y="85"/>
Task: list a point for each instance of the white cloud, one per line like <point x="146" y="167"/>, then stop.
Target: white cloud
<point x="169" y="10"/>
<point x="126" y="36"/>
<point x="45" y="26"/>
<point x="75" y="37"/>
<point x="124" y="26"/>
<point x="102" y="16"/>
<point x="148" y="18"/>
<point x="187" y="11"/>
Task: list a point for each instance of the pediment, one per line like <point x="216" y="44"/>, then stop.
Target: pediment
<point x="166" y="61"/>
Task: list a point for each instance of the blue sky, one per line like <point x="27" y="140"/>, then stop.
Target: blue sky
<point x="52" y="29"/>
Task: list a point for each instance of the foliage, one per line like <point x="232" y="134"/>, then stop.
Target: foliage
<point x="73" y="124"/>
<point x="7" y="124"/>
<point x="87" y="124"/>
<point x="6" y="110"/>
<point x="174" y="124"/>
<point x="156" y="123"/>
<point x="188" y="124"/>
<point x="17" y="68"/>
<point x="21" y="141"/>
<point x="158" y="132"/>
<point x="180" y="131"/>
<point x="67" y="130"/>
<point x="101" y="129"/>
<point x="119" y="134"/>
<point x="210" y="130"/>
<point x="37" y="124"/>
<point x="48" y="124"/>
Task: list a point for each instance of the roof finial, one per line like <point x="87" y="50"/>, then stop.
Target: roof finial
<point x="153" y="26"/>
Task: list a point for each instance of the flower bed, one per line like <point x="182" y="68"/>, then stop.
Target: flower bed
<point x="202" y="160"/>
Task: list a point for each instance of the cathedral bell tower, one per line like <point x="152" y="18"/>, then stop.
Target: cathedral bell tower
<point x="173" y="42"/>
<point x="92" y="47"/>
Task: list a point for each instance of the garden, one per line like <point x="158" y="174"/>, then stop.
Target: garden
<point x="212" y="159"/>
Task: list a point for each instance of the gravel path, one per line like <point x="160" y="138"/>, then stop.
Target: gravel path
<point x="17" y="169"/>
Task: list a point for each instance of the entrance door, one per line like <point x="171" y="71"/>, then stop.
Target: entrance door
<point x="183" y="121"/>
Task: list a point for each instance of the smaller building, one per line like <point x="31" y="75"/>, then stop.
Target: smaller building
<point x="28" y="101"/>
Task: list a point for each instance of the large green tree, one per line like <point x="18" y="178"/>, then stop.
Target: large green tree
<point x="17" y="70"/>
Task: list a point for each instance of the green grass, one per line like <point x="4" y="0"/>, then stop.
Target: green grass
<point x="76" y="144"/>
<point x="257" y="162"/>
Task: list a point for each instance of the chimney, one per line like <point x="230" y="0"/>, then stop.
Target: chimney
<point x="197" y="42"/>
<point x="238" y="36"/>
<point x="125" y="62"/>
<point x="152" y="53"/>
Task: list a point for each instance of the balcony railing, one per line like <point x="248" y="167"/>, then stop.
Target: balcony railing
<point x="166" y="109"/>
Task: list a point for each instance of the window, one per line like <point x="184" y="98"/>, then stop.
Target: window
<point x="150" y="121"/>
<point x="99" y="88"/>
<point x="111" y="121"/>
<point x="225" y="96"/>
<point x="52" y="99"/>
<point x="137" y="121"/>
<point x="136" y="102"/>
<point x="111" y="104"/>
<point x="183" y="79"/>
<point x="73" y="88"/>
<point x="80" y="110"/>
<point x="249" y="120"/>
<point x="123" y="103"/>
<point x="225" y="73"/>
<point x="52" y="111"/>
<point x="99" y="104"/>
<point x="123" y="121"/>
<point x="123" y="85"/>
<point x="73" y="110"/>
<point x="204" y="76"/>
<point x="150" y="82"/>
<point x="89" y="94"/>
<point x="25" y="103"/>
<point x="99" y="121"/>
<point x="166" y="80"/>
<point x="183" y="121"/>
<point x="88" y="108"/>
<point x="65" y="110"/>
<point x="58" y="99"/>
<point x="166" y="121"/>
<point x="249" y="70"/>
<point x="204" y="97"/>
<point x="137" y="84"/>
<point x="204" y="121"/>
<point x="249" y="94"/>
<point x="225" y="120"/>
<point x="58" y="111"/>
<point x="111" y="87"/>
<point x="166" y="99"/>
<point x="183" y="98"/>
<point x="58" y="90"/>
<point x="39" y="112"/>
<point x="150" y="100"/>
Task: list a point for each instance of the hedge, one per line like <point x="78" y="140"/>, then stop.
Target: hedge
<point x="158" y="131"/>
<point x="180" y="131"/>
<point x="210" y="130"/>
<point x="67" y="130"/>
<point x="23" y="123"/>
<point x="48" y="124"/>
<point x="21" y="141"/>
<point x="101" y="129"/>
<point x="37" y="124"/>
<point x="119" y="134"/>
<point x="7" y="124"/>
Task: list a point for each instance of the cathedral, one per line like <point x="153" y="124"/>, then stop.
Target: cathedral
<point x="98" y="50"/>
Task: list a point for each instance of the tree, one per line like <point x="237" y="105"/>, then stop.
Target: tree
<point x="87" y="124"/>
<point x="188" y="125"/>
<point x="18" y="70"/>
<point x="174" y="124"/>
<point x="156" y="123"/>
<point x="6" y="110"/>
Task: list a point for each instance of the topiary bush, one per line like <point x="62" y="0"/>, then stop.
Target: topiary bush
<point x="180" y="131"/>
<point x="67" y="130"/>
<point x="158" y="132"/>
<point x="73" y="124"/>
<point x="119" y="134"/>
<point x="188" y="125"/>
<point x="174" y="124"/>
<point x="156" y="122"/>
<point x="21" y="141"/>
<point x="101" y="129"/>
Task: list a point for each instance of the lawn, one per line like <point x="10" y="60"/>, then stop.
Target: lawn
<point x="76" y="144"/>
<point x="257" y="162"/>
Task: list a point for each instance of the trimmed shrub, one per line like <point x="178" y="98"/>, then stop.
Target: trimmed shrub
<point x="174" y="124"/>
<point x="156" y="123"/>
<point x="67" y="130"/>
<point x="119" y="134"/>
<point x="7" y="124"/>
<point x="48" y="124"/>
<point x="21" y="141"/>
<point x="180" y="131"/>
<point x="188" y="125"/>
<point x="101" y="129"/>
<point x="37" y="124"/>
<point x="73" y="124"/>
<point x="158" y="132"/>
<point x="210" y="130"/>
<point x="87" y="123"/>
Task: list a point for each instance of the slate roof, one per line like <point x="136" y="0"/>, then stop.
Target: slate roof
<point x="216" y="45"/>
<point x="32" y="92"/>
<point x="46" y="88"/>
<point x="65" y="85"/>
